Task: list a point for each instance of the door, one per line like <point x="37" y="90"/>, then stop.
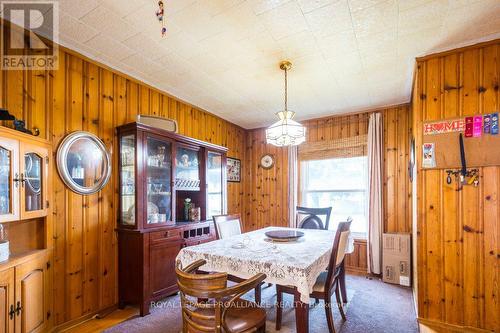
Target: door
<point x="31" y="304"/>
<point x="34" y="176"/>
<point x="9" y="180"/>
<point x="163" y="280"/>
<point x="7" y="312"/>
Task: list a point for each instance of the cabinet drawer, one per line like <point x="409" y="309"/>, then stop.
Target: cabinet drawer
<point x="159" y="236"/>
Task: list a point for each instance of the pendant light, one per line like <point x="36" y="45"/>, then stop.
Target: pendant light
<point x="286" y="131"/>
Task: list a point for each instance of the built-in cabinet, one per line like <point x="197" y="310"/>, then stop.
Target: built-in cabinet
<point x="24" y="290"/>
<point x="158" y="171"/>
<point x="25" y="300"/>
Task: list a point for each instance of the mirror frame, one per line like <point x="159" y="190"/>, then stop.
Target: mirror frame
<point x="62" y="154"/>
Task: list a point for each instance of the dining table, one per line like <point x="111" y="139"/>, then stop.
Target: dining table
<point x="296" y="263"/>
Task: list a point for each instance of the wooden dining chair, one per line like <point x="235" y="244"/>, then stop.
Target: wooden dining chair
<point x="310" y="218"/>
<point x="327" y="282"/>
<point x="227" y="226"/>
<point x="209" y="305"/>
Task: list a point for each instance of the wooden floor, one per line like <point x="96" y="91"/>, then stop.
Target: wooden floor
<point x="99" y="324"/>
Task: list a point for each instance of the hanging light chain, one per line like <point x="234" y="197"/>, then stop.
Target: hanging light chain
<point x="286" y="89"/>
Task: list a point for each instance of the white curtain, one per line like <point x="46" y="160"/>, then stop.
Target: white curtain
<point x="292" y="184"/>
<point x="375" y="216"/>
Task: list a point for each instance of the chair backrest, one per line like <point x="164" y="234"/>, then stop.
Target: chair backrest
<point x="205" y="297"/>
<point x="199" y="315"/>
<point x="305" y="217"/>
<point x="311" y="222"/>
<point x="227" y="225"/>
<point x="338" y="251"/>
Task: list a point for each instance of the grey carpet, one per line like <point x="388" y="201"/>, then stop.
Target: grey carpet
<point x="373" y="306"/>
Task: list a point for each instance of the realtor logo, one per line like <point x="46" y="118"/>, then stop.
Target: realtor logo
<point x="29" y="35"/>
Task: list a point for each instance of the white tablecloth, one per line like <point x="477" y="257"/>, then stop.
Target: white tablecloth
<point x="296" y="263"/>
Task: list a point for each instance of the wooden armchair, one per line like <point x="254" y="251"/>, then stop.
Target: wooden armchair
<point x="208" y="305"/>
<point x="328" y="281"/>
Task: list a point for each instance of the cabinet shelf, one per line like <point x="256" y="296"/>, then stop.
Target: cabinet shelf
<point x="16" y="259"/>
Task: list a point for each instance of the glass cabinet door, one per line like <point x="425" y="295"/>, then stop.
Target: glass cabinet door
<point x="127" y="179"/>
<point x="33" y="178"/>
<point x="158" y="186"/>
<point x="187" y="170"/>
<point x="214" y="184"/>
<point x="9" y="180"/>
<point x="33" y="182"/>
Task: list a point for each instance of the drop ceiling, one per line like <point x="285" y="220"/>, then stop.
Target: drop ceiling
<point x="223" y="55"/>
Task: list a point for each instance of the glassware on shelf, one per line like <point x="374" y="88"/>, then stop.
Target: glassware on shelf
<point x="158" y="173"/>
<point x="187" y="174"/>
<point x="127" y="148"/>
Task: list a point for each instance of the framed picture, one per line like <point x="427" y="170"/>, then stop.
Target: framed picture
<point x="233" y="170"/>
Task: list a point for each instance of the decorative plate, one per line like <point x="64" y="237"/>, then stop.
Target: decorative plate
<point x="284" y="235"/>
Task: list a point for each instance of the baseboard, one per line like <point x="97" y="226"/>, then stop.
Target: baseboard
<point x="74" y="322"/>
<point x="356" y="270"/>
<point x="440" y="326"/>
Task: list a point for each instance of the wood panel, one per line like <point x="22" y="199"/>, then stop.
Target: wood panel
<point x="266" y="191"/>
<point x="82" y="95"/>
<point x="458" y="231"/>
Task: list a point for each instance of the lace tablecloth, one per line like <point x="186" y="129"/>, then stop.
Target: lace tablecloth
<point x="296" y="263"/>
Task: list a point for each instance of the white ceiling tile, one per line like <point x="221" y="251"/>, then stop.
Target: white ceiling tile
<point x="330" y="19"/>
<point x="310" y="5"/>
<point x="110" y="47"/>
<point x="262" y="6"/>
<point x="380" y="17"/>
<point x="338" y="44"/>
<point x="108" y="22"/>
<point x="428" y="15"/>
<point x="75" y="29"/>
<point x="77" y="8"/>
<point x="284" y="20"/>
<point x="124" y="8"/>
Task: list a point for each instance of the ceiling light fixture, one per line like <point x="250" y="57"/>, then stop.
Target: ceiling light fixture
<point x="286" y="131"/>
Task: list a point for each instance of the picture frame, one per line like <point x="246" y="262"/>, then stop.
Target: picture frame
<point x="233" y="170"/>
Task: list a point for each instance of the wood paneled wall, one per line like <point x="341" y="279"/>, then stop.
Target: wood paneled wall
<point x="266" y="191"/>
<point x="458" y="231"/>
<point x="82" y="95"/>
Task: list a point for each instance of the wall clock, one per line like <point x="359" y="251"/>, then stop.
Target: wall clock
<point x="267" y="161"/>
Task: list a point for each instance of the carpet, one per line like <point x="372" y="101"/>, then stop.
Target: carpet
<point x="373" y="306"/>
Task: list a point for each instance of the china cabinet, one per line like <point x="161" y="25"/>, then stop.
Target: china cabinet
<point x="159" y="172"/>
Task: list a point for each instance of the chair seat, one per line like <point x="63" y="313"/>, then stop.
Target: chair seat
<point x="242" y="316"/>
<point x="319" y="286"/>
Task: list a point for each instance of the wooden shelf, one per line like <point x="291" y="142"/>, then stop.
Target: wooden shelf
<point x="19" y="258"/>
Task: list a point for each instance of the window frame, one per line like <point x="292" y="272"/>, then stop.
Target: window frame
<point x="303" y="191"/>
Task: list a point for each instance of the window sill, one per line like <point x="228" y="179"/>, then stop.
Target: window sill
<point x="359" y="236"/>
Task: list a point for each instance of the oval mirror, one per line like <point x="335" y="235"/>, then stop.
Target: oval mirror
<point x="83" y="162"/>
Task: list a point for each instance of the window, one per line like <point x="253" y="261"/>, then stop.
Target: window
<point x="340" y="183"/>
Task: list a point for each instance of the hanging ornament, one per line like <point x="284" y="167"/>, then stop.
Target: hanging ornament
<point x="160" y="14"/>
